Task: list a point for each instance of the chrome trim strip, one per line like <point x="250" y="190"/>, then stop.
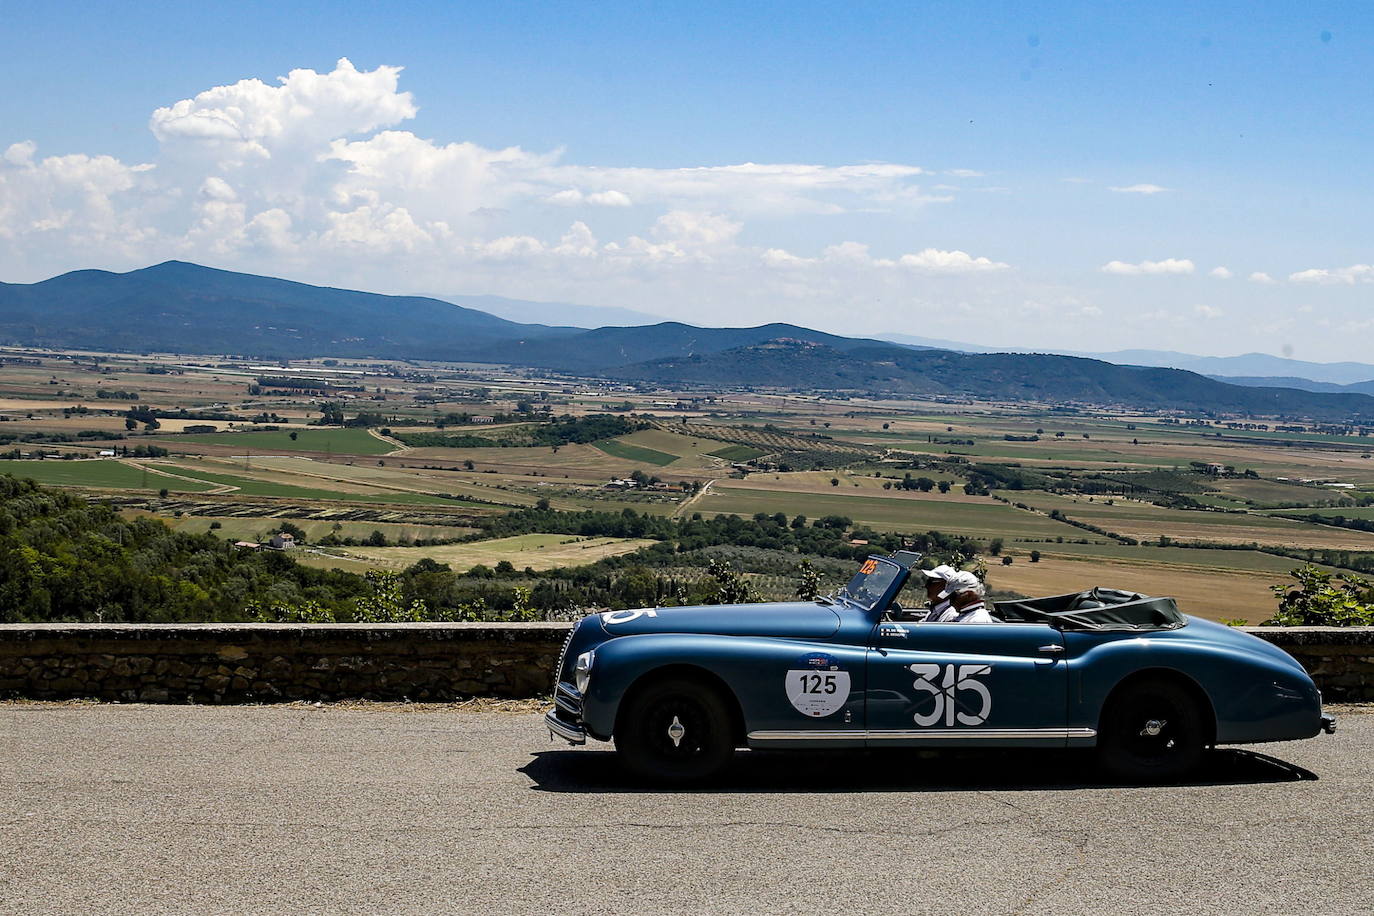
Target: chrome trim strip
<point x="818" y="735"/>
<point x="923" y="734"/>
<point x="569" y="733"/>
<point x="566" y="696"/>
<point x="938" y="734"/>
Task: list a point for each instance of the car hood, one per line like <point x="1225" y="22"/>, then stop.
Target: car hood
<point x="792" y="619"/>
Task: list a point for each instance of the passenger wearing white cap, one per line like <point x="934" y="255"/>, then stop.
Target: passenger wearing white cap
<point x="965" y="598"/>
<point x="935" y="580"/>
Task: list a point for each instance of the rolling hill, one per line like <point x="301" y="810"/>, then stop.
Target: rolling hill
<point x="1011" y="376"/>
<point x="607" y="348"/>
<point x="185" y="308"/>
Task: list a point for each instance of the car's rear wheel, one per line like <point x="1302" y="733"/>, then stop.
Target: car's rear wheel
<point x="675" y="731"/>
<point x="1151" y="731"/>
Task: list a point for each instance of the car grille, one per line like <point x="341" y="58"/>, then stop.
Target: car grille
<point x="567" y="703"/>
<point x="562" y="657"/>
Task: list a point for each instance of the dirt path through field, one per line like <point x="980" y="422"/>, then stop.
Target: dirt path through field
<point x="399" y="447"/>
<point x="219" y="489"/>
<point x="677" y="513"/>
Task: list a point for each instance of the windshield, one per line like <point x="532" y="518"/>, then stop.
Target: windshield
<point x="870" y="583"/>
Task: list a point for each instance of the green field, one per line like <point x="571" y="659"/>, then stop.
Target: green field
<point x="736" y="453"/>
<point x="1146" y="521"/>
<point x="338" y="441"/>
<point x="97" y="473"/>
<point x="538" y="551"/>
<point x="618" y="449"/>
<point x="1200" y="556"/>
<point x="984" y="520"/>
<point x="249" y="486"/>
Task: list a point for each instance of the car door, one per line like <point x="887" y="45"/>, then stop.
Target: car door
<point x="955" y="684"/>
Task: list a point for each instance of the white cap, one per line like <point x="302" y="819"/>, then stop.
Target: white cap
<point x="959" y="582"/>
<point x="941" y="572"/>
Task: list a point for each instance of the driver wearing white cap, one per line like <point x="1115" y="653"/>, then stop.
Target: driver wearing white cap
<point x="965" y="600"/>
<point x="935" y="580"/>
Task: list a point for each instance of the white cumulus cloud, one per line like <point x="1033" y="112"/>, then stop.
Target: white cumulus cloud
<point x="1262" y="278"/>
<point x="1221" y="273"/>
<point x="1146" y="189"/>
<point x="1167" y="266"/>
<point x="253" y="118"/>
<point x="609" y="199"/>
<point x="1339" y="276"/>
<point x="1209" y="312"/>
<point x="955" y="262"/>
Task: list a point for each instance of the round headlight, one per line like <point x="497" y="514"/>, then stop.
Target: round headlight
<point x="582" y="672"/>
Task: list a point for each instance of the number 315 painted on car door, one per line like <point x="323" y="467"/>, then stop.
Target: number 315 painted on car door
<point x="958" y="679"/>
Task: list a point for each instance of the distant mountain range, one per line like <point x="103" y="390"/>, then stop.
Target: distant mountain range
<point x="1013" y="376"/>
<point x="609" y="348"/>
<point x="554" y="313"/>
<point x="1304" y="384"/>
<point x="185" y="308"/>
<point x="1248" y="369"/>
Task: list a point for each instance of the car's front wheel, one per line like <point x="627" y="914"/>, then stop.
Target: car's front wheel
<point x="676" y="731"/>
<point x="1151" y="731"/>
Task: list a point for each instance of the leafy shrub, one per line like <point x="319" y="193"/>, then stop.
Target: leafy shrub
<point x="1323" y="599"/>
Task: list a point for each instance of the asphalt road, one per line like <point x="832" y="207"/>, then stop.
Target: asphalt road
<point x="167" y="809"/>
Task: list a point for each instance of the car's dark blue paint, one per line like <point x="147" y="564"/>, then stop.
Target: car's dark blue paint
<point x="914" y="684"/>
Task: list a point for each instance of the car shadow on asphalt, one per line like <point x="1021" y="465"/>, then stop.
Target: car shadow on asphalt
<point x="598" y="771"/>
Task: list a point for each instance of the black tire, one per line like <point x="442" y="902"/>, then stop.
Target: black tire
<point x="1151" y="731"/>
<point x="644" y="736"/>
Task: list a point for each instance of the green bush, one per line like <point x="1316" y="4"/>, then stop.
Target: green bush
<point x="1323" y="599"/>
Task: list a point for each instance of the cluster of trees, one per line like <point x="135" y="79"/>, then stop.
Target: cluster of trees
<point x="79" y="436"/>
<point x="332" y="414"/>
<point x="63" y="558"/>
<point x="1339" y="521"/>
<point x="556" y="432"/>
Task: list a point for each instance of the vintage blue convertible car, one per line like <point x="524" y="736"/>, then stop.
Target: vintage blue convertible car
<point x="680" y="688"/>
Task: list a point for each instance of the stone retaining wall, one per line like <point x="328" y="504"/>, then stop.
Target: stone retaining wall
<point x="236" y="663"/>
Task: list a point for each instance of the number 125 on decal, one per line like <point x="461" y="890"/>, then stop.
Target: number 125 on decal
<point x="812" y="682"/>
<point x="817" y="693"/>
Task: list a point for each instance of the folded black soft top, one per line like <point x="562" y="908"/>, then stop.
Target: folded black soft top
<point x="1096" y="609"/>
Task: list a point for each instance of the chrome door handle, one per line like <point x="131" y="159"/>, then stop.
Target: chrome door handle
<point x="1054" y="648"/>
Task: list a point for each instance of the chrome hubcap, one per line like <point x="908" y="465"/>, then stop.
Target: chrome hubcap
<point x="1153" y="727"/>
<point x="676" y="731"/>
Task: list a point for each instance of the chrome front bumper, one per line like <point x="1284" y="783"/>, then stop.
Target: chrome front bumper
<point x="1328" y="723"/>
<point x="573" y="734"/>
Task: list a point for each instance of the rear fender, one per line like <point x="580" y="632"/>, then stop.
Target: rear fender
<point x="1254" y="696"/>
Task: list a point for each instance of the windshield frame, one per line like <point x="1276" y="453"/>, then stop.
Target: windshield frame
<point x="882" y="601"/>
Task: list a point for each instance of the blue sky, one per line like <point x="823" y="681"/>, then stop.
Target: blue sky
<point x="1063" y="175"/>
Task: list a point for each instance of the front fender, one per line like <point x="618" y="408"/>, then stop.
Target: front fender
<point x="752" y="669"/>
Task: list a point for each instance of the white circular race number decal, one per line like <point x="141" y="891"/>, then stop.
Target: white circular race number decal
<point x="816" y="687"/>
